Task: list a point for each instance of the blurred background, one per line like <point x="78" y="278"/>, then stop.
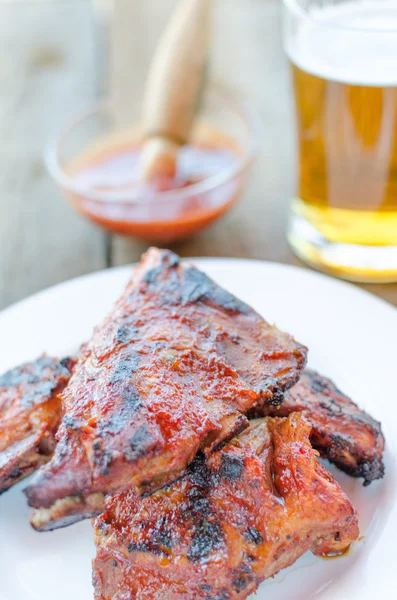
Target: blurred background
<point x="56" y="58"/>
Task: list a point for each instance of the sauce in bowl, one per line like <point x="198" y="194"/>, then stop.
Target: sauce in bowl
<point x="108" y="190"/>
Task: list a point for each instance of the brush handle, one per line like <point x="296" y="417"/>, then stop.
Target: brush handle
<point x="174" y="87"/>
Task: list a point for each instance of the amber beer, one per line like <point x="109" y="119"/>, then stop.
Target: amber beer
<point x="348" y="158"/>
<point x="344" y="69"/>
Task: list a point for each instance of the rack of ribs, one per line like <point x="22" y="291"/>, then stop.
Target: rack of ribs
<point x="234" y="519"/>
<point x="30" y="412"/>
<point x="173" y="370"/>
<point x="341" y="431"/>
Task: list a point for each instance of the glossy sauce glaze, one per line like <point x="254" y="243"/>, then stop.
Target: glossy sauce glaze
<point x="172" y="370"/>
<point x="232" y="520"/>
<point x="112" y="194"/>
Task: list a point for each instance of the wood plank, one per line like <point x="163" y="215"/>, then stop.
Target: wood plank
<point x="387" y="291"/>
<point x="47" y="74"/>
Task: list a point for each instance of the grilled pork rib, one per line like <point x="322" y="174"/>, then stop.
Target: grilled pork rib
<point x="233" y="520"/>
<point x="30" y="412"/>
<point x="171" y="371"/>
<point x="342" y="432"/>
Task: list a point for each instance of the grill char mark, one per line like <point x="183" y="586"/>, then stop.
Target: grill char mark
<point x="196" y="287"/>
<point x="343" y="433"/>
<point x="232" y="467"/>
<point x="30" y="413"/>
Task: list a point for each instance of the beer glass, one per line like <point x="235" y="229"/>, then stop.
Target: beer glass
<point x="343" y="56"/>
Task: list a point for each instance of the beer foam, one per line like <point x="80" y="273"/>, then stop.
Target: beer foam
<point x="353" y="42"/>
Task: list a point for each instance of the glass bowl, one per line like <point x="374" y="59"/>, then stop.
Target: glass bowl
<point x="224" y="121"/>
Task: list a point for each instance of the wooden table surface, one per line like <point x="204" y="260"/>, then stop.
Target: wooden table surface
<point x="49" y="70"/>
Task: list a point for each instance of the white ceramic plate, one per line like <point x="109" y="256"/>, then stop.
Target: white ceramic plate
<point x="352" y="337"/>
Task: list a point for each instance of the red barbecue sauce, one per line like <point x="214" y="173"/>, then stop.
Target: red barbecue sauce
<point x="113" y="166"/>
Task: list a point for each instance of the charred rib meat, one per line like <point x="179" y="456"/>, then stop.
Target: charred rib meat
<point x="171" y="371"/>
<point x="234" y="519"/>
<point x="30" y="412"/>
<point x="342" y="432"/>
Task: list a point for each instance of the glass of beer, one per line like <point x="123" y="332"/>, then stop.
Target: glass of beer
<point x="343" y="55"/>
